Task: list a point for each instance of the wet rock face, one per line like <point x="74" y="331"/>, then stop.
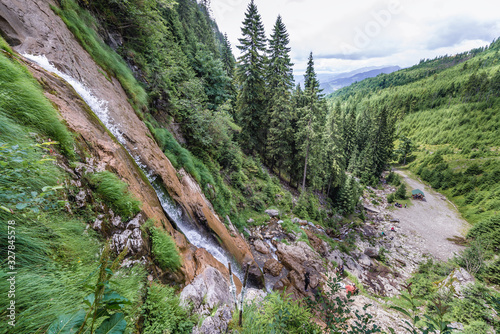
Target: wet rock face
<point x="34" y="28"/>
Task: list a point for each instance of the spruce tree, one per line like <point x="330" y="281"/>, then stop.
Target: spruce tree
<point x="335" y="160"/>
<point x="280" y="85"/>
<point x="251" y="98"/>
<point x="310" y="132"/>
<point x="227" y="57"/>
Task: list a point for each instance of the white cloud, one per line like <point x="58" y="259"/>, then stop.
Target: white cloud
<point x="353" y="34"/>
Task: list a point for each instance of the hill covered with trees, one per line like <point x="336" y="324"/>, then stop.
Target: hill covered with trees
<point x="447" y="116"/>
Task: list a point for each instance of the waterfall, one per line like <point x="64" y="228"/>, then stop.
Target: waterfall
<point x="195" y="235"/>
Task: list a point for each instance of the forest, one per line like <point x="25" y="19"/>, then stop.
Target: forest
<point x="253" y="140"/>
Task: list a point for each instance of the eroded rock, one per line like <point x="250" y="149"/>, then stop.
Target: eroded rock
<point x="273" y="267"/>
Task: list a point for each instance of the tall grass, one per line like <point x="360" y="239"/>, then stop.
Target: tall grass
<point x="83" y="26"/>
<point x="5" y="46"/>
<point x="114" y="192"/>
<point x="28" y="106"/>
<point x="165" y="250"/>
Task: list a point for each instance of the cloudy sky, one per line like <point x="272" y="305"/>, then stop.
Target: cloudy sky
<point x="347" y="35"/>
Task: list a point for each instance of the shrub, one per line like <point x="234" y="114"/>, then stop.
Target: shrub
<point x="163" y="312"/>
<point x="401" y="192"/>
<point x="114" y="193"/>
<point x="391" y="198"/>
<point x="165" y="250"/>
<point x="487" y="230"/>
<point x="278" y="313"/>
<point x="477" y="327"/>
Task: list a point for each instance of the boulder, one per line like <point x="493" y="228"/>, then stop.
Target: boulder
<point x="371" y="252"/>
<point x="208" y="291"/>
<point x="261" y="246"/>
<point x="458" y="280"/>
<point x="365" y="260"/>
<point x="217" y="323"/>
<point x="253" y="296"/>
<point x="273" y="267"/>
<point x="272" y="213"/>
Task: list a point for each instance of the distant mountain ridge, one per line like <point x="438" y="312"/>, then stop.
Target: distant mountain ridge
<point x="332" y="82"/>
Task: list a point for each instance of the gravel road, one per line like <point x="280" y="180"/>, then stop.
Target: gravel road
<point x="431" y="222"/>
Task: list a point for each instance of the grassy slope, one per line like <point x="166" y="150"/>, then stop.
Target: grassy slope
<point x="443" y="119"/>
<point x="55" y="253"/>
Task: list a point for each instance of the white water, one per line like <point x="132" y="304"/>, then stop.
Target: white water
<point x="197" y="237"/>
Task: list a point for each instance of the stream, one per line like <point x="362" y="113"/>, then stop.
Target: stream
<point x="197" y="236"/>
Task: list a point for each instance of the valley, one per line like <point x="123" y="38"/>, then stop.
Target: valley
<point x="159" y="184"/>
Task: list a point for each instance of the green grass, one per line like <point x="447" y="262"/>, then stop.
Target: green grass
<point x="83" y="26"/>
<point x="56" y="254"/>
<point x="165" y="250"/>
<point x="29" y="107"/>
<point x="114" y="193"/>
<point x="5" y="46"/>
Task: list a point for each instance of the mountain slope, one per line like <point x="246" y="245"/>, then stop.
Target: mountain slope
<point x="450" y="108"/>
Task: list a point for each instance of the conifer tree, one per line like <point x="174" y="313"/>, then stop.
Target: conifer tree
<point x="280" y="85"/>
<point x="335" y="160"/>
<point x="310" y="131"/>
<point x="251" y="98"/>
<point x="227" y="57"/>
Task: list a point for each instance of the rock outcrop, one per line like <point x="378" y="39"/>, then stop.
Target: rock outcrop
<point x="210" y="292"/>
<point x="457" y="281"/>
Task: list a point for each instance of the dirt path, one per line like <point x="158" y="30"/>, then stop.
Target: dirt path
<point x="429" y="223"/>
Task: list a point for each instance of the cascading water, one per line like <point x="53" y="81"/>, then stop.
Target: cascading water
<point x="196" y="236"/>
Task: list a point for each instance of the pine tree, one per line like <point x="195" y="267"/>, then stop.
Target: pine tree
<point x="227" y="57"/>
<point x="280" y="85"/>
<point x="335" y="160"/>
<point x="251" y="98"/>
<point x="216" y="82"/>
<point x="310" y="132"/>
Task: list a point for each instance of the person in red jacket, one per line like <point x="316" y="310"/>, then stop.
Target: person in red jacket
<point x="352" y="289"/>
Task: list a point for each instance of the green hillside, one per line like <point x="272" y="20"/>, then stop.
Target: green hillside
<point x="449" y="107"/>
<point x="447" y="113"/>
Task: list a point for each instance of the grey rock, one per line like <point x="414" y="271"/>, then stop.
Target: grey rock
<point x="217" y="323"/>
<point x="365" y="260"/>
<point x="209" y="289"/>
<point x="81" y="198"/>
<point x="253" y="296"/>
<point x="272" y="213"/>
<point x="250" y="221"/>
<point x="371" y="252"/>
<point x="458" y="280"/>
<point x="261" y="246"/>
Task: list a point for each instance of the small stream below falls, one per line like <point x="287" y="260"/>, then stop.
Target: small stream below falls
<point x="197" y="236"/>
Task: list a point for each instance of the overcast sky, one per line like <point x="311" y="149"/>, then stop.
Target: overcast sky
<point x="347" y="35"/>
